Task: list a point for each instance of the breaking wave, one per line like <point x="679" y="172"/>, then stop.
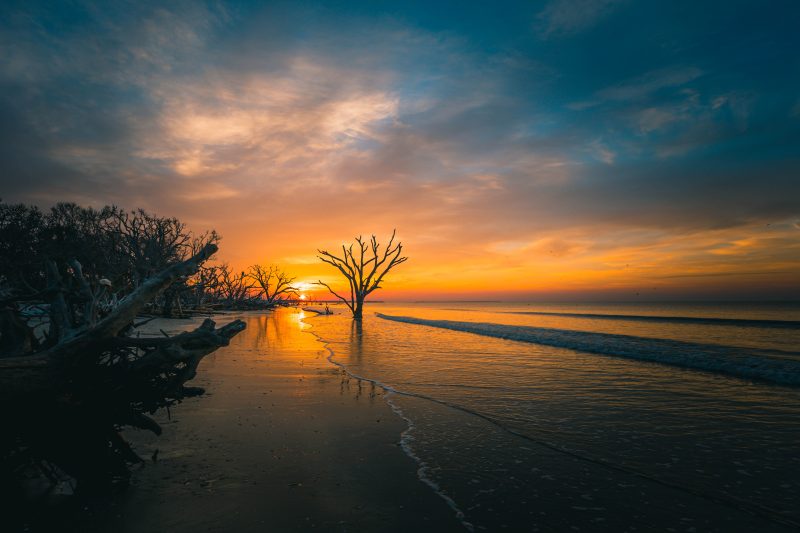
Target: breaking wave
<point x="739" y="322"/>
<point x="775" y="366"/>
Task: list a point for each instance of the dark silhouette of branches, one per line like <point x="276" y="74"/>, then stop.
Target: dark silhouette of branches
<point x="233" y="288"/>
<point x="72" y="364"/>
<point x="364" y="266"/>
<point x="111" y="252"/>
<point x="272" y="282"/>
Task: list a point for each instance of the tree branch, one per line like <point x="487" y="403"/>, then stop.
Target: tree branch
<point x="350" y="305"/>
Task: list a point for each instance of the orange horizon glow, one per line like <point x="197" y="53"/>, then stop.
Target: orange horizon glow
<point x="716" y="263"/>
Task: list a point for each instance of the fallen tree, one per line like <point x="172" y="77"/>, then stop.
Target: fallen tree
<point x="69" y="387"/>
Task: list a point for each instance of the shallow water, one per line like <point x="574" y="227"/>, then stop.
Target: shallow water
<point x="282" y="441"/>
<point x="541" y="437"/>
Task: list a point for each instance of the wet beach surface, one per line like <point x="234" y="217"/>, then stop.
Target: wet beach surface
<point x="518" y="437"/>
<point x="531" y="437"/>
<point x="282" y="441"/>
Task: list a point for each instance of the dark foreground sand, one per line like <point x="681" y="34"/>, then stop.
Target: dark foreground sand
<point x="281" y="442"/>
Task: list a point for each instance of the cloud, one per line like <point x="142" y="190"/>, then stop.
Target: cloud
<point x="567" y="17"/>
<point x="417" y="120"/>
<point x="650" y="82"/>
<point x="602" y="152"/>
<point x="288" y="140"/>
<point x="641" y="87"/>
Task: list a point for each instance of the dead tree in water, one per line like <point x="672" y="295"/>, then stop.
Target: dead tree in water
<point x="363" y="268"/>
<point x="64" y="400"/>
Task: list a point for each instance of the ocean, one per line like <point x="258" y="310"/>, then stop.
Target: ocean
<point x="593" y="417"/>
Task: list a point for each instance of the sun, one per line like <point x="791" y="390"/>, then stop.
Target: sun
<point x="302" y="296"/>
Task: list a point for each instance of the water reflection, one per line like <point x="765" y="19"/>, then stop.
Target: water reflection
<point x="633" y="431"/>
<point x="356" y="349"/>
<point x="267" y="331"/>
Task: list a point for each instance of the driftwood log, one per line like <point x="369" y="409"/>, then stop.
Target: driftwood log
<point x="63" y="406"/>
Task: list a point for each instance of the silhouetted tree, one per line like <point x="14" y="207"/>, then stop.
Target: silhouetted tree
<point x="274" y="284"/>
<point x="72" y="363"/>
<point x="234" y="289"/>
<point x="364" y="268"/>
<point x="151" y="242"/>
<point x="121" y="248"/>
<point x="192" y="290"/>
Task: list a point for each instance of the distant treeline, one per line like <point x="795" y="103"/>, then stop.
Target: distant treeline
<point x="118" y="250"/>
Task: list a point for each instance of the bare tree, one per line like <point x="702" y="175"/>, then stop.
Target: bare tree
<point x="233" y="288"/>
<point x="204" y="285"/>
<point x="273" y="282"/>
<point x="72" y="368"/>
<point x="364" y="266"/>
<point x="153" y="242"/>
<point x="99" y="254"/>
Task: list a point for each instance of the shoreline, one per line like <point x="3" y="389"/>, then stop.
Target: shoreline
<point x="292" y="436"/>
<point x="508" y="432"/>
<point x="281" y="440"/>
<point x="405" y="435"/>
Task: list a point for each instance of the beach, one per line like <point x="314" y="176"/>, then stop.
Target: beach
<point x="282" y="441"/>
<point x="492" y="420"/>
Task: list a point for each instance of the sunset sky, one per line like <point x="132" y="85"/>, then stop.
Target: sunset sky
<point x="563" y="149"/>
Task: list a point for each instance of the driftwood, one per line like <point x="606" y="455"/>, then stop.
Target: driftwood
<point x="64" y="404"/>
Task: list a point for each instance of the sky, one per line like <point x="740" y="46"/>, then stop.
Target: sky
<point x="564" y="149"/>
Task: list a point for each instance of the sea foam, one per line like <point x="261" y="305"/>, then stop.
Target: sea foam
<point x="769" y="365"/>
<point x="736" y="322"/>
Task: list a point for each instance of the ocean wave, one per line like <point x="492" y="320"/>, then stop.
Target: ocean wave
<point x="738" y="322"/>
<point x="424" y="472"/>
<point x="768" y="365"/>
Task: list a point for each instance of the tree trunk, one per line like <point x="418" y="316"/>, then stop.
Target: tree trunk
<point x="169" y="298"/>
<point x="358" y="310"/>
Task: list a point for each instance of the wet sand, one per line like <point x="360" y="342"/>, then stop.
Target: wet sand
<point x="282" y="441"/>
